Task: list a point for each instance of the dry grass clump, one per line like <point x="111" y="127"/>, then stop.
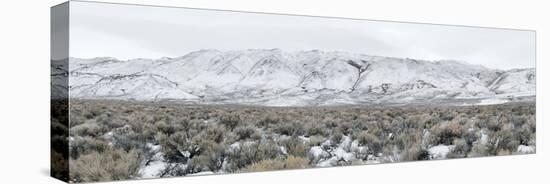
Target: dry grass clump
<point x="290" y="162"/>
<point x="112" y="164"/>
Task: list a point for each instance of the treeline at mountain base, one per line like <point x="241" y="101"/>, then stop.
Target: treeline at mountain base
<point x="118" y="140"/>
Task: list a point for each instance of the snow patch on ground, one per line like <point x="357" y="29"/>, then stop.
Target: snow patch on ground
<point x="492" y="101"/>
<point x="202" y="173"/>
<point x="484" y="137"/>
<point x="328" y="163"/>
<point x="440" y="151"/>
<point x="341" y="154"/>
<point x="235" y="145"/>
<point x="326" y="155"/>
<point x="316" y="152"/>
<point x="153" y="168"/>
<point x="304" y="139"/>
<point x="283" y="150"/>
<point x="526" y="149"/>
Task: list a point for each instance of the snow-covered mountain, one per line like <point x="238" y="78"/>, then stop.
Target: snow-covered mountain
<point x="277" y="78"/>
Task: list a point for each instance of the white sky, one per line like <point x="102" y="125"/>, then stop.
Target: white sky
<point x="129" y="31"/>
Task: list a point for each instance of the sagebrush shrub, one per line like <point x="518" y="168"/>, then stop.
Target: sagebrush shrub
<point x="294" y="146"/>
<point x="214" y="155"/>
<point x="173" y="147"/>
<point x="230" y="121"/>
<point x="460" y="150"/>
<point x="247" y="153"/>
<point x="479" y="150"/>
<point x="215" y="133"/>
<point x="268" y="121"/>
<point x="89" y="128"/>
<point x="445" y="133"/>
<point x="314" y="128"/>
<point x="85" y="145"/>
<point x="112" y="164"/>
<point x="372" y="142"/>
<point x="415" y="153"/>
<point x="336" y="138"/>
<point x="245" y="132"/>
<point x="289" y="128"/>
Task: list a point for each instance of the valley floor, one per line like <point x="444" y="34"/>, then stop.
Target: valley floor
<point x="117" y="140"/>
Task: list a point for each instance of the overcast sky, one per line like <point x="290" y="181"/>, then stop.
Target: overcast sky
<point x="128" y="31"/>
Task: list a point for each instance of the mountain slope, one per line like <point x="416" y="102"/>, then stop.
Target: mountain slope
<point x="277" y="78"/>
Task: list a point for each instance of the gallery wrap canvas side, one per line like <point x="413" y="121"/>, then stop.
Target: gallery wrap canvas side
<point x="59" y="106"/>
<point x="153" y="92"/>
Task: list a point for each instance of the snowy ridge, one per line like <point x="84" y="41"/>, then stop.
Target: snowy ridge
<point x="277" y="78"/>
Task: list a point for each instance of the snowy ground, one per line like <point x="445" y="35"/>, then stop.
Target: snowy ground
<point x="155" y="165"/>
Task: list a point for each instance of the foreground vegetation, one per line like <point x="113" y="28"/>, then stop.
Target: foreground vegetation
<point x="114" y="140"/>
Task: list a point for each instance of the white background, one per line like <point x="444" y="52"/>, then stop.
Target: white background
<point x="24" y="88"/>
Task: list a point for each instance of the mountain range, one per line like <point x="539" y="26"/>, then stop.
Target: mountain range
<point x="273" y="77"/>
